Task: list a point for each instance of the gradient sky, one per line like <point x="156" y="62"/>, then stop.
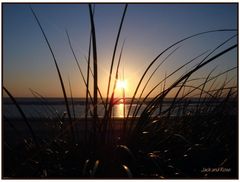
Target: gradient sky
<point x="148" y="29"/>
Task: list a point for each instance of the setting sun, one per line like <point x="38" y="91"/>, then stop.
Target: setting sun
<point x="121" y="84"/>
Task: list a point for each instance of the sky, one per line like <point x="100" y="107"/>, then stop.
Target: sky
<point x="147" y="30"/>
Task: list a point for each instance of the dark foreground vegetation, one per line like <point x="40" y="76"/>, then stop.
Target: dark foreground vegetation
<point x="177" y="147"/>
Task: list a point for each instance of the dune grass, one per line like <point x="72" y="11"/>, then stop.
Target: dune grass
<point x="173" y="142"/>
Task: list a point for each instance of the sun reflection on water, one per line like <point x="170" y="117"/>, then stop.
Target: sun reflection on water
<point x="119" y="110"/>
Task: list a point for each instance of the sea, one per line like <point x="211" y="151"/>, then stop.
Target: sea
<point x="42" y="113"/>
<point x="52" y="107"/>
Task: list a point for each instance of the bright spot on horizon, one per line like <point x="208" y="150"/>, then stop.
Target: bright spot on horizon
<point x="121" y="84"/>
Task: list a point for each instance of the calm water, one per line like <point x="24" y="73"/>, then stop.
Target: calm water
<point x="34" y="108"/>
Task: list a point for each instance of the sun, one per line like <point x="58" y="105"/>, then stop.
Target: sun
<point x="121" y="84"/>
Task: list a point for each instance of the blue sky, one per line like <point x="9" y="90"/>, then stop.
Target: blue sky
<point x="148" y="29"/>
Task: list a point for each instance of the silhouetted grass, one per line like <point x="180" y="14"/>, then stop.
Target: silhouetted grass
<point x="58" y="71"/>
<point x="173" y="142"/>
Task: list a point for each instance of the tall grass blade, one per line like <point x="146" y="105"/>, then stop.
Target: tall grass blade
<point x="165" y="79"/>
<point x="95" y="80"/>
<point x="176" y="95"/>
<point x="157" y="57"/>
<point x="203" y="87"/>
<point x="79" y="68"/>
<point x="185" y="65"/>
<point x="23" y="116"/>
<point x="162" y="95"/>
<point x="114" y="51"/>
<point x="218" y="47"/>
<point x="58" y="71"/>
<point x="87" y="88"/>
<point x="99" y="92"/>
<point x="87" y="84"/>
<point x="108" y="110"/>
<point x="124" y="110"/>
<point x="159" y="98"/>
<point x="73" y="108"/>
<point x="139" y="98"/>
<point x="206" y="92"/>
<point x="88" y="93"/>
